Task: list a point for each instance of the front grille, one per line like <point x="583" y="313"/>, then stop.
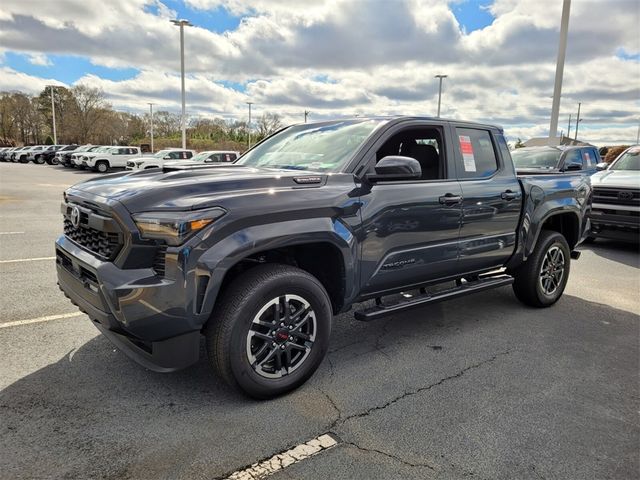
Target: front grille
<point x="616" y="196"/>
<point x="159" y="261"/>
<point x="103" y="244"/>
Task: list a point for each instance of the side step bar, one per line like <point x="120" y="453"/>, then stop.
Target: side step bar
<point x="462" y="289"/>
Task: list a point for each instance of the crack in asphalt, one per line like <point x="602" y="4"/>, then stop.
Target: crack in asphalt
<point x="389" y="455"/>
<point x="339" y="420"/>
<point x="410" y="393"/>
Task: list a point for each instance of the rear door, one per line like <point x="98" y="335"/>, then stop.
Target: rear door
<point x="492" y="198"/>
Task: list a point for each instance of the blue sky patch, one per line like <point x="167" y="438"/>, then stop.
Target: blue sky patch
<point x="473" y="14"/>
<point x="218" y="20"/>
<point x="66" y="68"/>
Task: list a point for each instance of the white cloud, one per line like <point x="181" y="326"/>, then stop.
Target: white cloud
<point x="39" y="59"/>
<point x="338" y="57"/>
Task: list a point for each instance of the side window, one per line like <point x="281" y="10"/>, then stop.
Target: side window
<point x="231" y="157"/>
<point x="123" y="151"/>
<point x="187" y="154"/>
<point x="477" y="157"/>
<point x="589" y="157"/>
<point x="573" y="156"/>
<point x="423" y="144"/>
<point x="174" y="155"/>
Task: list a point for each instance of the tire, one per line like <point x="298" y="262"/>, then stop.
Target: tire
<point x="39" y="160"/>
<point x="102" y="166"/>
<point x="237" y="345"/>
<point x="541" y="289"/>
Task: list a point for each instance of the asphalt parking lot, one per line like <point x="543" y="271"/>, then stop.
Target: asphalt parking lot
<point x="481" y="387"/>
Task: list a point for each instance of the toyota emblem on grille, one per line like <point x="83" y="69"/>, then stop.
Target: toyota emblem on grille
<point x="625" y="195"/>
<point x="75" y="217"/>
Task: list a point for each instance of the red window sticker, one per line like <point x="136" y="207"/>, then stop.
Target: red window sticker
<point x="467" y="153"/>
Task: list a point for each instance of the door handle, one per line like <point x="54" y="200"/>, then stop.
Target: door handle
<point x="508" y="195"/>
<point x="450" y="199"/>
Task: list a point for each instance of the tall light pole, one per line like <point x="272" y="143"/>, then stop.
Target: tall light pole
<point x="557" y="88"/>
<point x="569" y="127"/>
<point x="182" y="24"/>
<point x="306" y="114"/>
<point x="440" y="91"/>
<point x="578" y="120"/>
<point x="53" y="114"/>
<point x="151" y="115"/>
<point x="249" y="126"/>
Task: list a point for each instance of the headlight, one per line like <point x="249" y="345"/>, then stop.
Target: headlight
<point x="175" y="227"/>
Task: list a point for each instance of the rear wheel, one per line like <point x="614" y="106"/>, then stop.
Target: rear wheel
<point x="270" y="331"/>
<point x="102" y="166"/>
<point x="541" y="280"/>
<point x="39" y="160"/>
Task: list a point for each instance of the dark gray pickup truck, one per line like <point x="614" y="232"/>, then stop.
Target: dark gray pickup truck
<point x="257" y="256"/>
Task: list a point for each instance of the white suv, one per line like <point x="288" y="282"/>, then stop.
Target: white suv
<point x="109" y="157"/>
<point x="158" y="159"/>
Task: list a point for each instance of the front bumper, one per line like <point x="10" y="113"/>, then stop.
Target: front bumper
<point x="141" y="313"/>
<point x="616" y="224"/>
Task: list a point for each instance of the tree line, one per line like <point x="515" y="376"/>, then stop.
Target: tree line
<point x="83" y="116"/>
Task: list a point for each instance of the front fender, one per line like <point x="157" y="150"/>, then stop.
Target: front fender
<point x="223" y="255"/>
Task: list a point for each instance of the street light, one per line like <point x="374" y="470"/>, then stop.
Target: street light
<point x="440" y="91"/>
<point x="306" y="114"/>
<point x="557" y="88"/>
<point x="182" y="24"/>
<point x="578" y="120"/>
<point x="249" y="103"/>
<point x="151" y="114"/>
<point x="53" y="114"/>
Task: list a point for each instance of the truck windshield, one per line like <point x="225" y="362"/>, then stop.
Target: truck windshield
<point x="320" y="147"/>
<point x="545" y="159"/>
<point x="630" y="160"/>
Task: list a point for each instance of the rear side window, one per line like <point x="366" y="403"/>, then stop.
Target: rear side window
<point x="589" y="157"/>
<point x="477" y="157"/>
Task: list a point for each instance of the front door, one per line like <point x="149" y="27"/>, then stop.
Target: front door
<point x="410" y="228"/>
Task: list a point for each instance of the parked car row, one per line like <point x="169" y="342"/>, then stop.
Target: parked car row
<point x="103" y="158"/>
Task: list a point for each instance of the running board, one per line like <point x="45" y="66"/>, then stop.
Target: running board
<point x="462" y="289"/>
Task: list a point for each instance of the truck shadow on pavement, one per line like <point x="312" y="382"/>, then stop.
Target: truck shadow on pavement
<point x="94" y="413"/>
<point x="621" y="252"/>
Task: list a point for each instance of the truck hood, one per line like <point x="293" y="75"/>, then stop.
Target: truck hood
<point x="616" y="178"/>
<point x="194" y="188"/>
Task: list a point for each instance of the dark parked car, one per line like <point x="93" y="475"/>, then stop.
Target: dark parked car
<point x="560" y="159"/>
<point x="259" y="255"/>
<point x="50" y="156"/>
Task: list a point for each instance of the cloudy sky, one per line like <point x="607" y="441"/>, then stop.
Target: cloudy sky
<point x="339" y="58"/>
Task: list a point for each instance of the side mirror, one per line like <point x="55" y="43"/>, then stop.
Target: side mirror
<point x="573" y="166"/>
<point x="602" y="166"/>
<point x="396" y="167"/>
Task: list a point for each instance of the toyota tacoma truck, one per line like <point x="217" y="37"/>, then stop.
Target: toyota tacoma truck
<point x="616" y="199"/>
<point x="379" y="215"/>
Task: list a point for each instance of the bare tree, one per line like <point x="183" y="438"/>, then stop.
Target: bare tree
<point x="268" y="123"/>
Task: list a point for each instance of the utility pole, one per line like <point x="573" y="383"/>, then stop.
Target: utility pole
<point x="638" y="136"/>
<point x="440" y="91"/>
<point x="568" y="127"/>
<point x="151" y="115"/>
<point x="557" y="88"/>
<point x="183" y="120"/>
<point x="306" y="114"/>
<point x="53" y="114"/>
<point x="577" y="121"/>
<point x="249" y="126"/>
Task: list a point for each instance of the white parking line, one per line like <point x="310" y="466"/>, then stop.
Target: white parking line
<point x="27" y="260"/>
<point x="11" y="233"/>
<point x="48" y="318"/>
<point x="282" y="460"/>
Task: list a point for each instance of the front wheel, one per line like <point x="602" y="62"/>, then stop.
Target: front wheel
<point x="270" y="331"/>
<point x="102" y="167"/>
<point x="39" y="160"/>
<point x="541" y="280"/>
